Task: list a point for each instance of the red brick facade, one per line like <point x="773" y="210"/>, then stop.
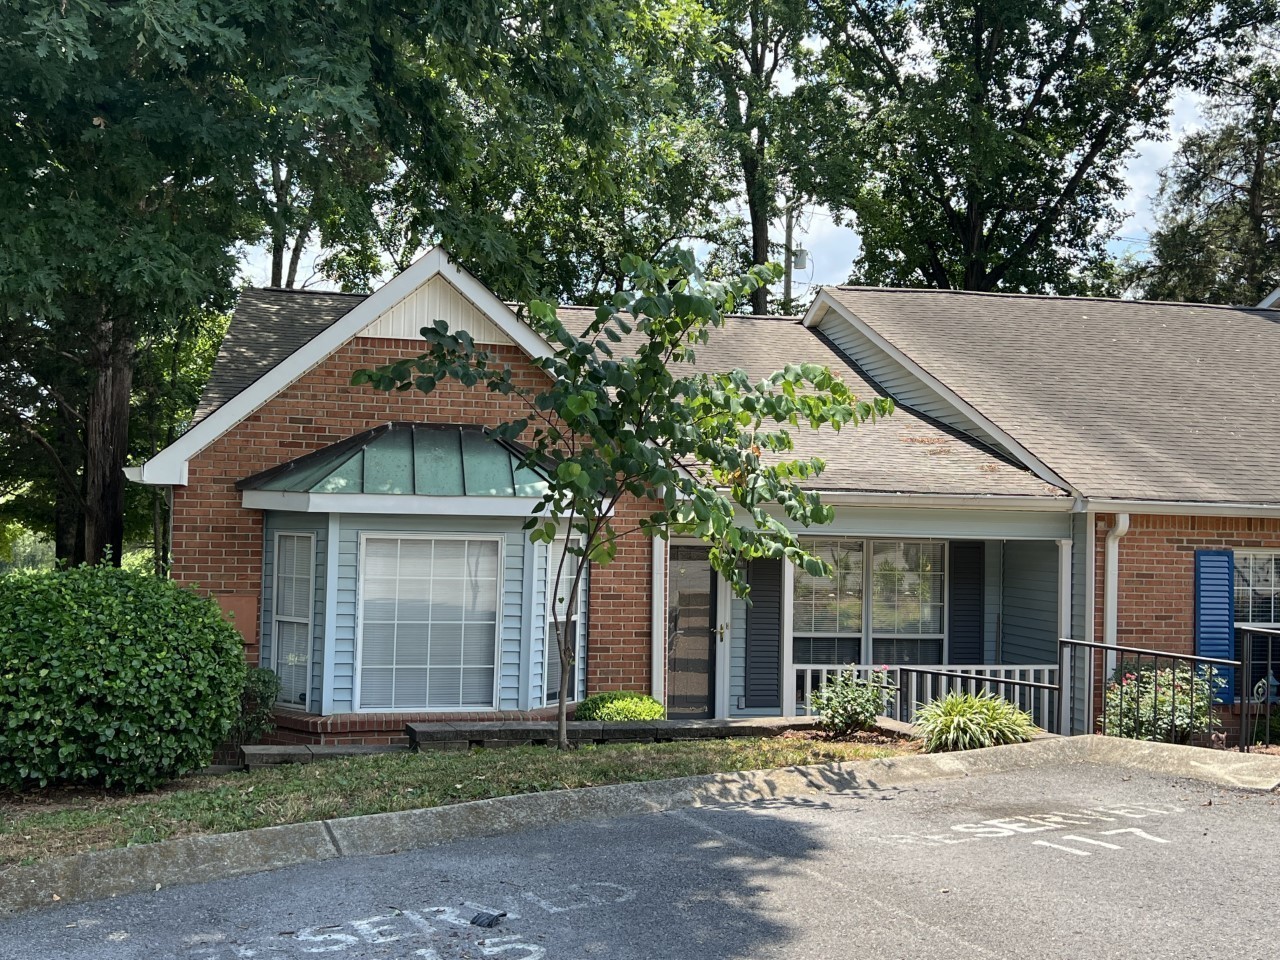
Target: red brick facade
<point x="217" y="543"/>
<point x="1156" y="586"/>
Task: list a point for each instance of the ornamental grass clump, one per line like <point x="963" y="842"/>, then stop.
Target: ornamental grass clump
<point x="847" y="704"/>
<point x="966" y="721"/>
<point x="111" y="678"/>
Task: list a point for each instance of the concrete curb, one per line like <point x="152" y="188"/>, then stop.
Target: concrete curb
<point x="110" y="873"/>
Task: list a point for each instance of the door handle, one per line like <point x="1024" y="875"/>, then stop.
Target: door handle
<point x="720" y="630"/>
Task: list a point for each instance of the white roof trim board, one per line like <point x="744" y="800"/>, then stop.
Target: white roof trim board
<point x="824" y="302"/>
<point x="169" y="466"/>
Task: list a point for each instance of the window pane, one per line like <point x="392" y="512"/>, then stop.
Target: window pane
<point x="477" y="686"/>
<point x="830" y="604"/>
<point x="907" y="581"/>
<point x="1256" y="578"/>
<point x="431" y="606"/>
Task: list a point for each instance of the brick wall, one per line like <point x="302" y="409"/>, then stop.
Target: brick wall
<point x="217" y="544"/>
<point x="1156" y="586"/>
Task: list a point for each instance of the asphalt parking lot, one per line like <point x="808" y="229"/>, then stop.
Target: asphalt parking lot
<point x="1077" y="861"/>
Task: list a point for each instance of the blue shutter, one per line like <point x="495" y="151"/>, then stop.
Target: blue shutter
<point x="1215" y="612"/>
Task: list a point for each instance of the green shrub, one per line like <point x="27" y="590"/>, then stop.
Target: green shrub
<point x="1170" y="704"/>
<point x="619" y="705"/>
<point x="846" y="704"/>
<point x="966" y="721"/>
<point x="257" y="706"/>
<point x="111" y="678"/>
<point x="1261" y="733"/>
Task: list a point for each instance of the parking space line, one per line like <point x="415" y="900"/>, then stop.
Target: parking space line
<point x="948" y="934"/>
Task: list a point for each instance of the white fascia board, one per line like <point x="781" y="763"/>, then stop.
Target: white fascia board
<point x="837" y="498"/>
<point x="1271" y="301"/>
<point x="824" y="302"/>
<point x="1183" y="508"/>
<point x="389" y="503"/>
<point x="169" y="466"/>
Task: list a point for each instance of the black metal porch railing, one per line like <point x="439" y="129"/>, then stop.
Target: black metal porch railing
<point x="918" y="686"/>
<point x="1146" y="694"/>
<point x="1259" y="649"/>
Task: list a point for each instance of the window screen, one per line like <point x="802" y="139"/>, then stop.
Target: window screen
<point x="429" y="623"/>
<point x="292" y="600"/>
<point x="1256" y="588"/>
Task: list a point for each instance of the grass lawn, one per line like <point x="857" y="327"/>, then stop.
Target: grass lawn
<point x="47" y="824"/>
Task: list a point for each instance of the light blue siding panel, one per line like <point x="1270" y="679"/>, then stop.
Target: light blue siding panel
<point x="1079" y="575"/>
<point x="994" y="558"/>
<point x="947" y="524"/>
<point x="538" y="626"/>
<point x="512" y="622"/>
<point x="1030" y="602"/>
<point x="899" y="382"/>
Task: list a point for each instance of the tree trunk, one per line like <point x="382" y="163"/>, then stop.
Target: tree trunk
<point x="759" y="209"/>
<point x="106" y="442"/>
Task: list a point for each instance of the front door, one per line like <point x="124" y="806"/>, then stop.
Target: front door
<point x="691" y="634"/>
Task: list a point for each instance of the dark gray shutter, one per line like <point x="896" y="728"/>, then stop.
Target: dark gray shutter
<point x="965" y="599"/>
<point x="764" y="635"/>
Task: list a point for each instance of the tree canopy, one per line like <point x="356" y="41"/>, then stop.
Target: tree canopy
<point x="980" y="145"/>
<point x="1217" y="235"/>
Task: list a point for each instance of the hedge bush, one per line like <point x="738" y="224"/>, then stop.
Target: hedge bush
<point x="111" y="678"/>
<point x="965" y="721"/>
<point x="619" y="705"/>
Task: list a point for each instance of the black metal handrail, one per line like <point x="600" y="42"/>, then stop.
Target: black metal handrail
<point x="1130" y="668"/>
<point x="1256" y="727"/>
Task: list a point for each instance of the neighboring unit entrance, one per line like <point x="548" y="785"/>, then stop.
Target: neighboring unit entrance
<point x="691" y="634"/>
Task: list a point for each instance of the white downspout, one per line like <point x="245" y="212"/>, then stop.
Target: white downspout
<point x="1111" y="586"/>
<point x="658" y="621"/>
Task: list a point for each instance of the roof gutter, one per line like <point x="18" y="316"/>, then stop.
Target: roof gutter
<point x="1111" y="584"/>
<point x="847" y="498"/>
<point x="1183" y="508"/>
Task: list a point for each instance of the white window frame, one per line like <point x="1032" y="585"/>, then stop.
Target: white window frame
<point x="548" y="630"/>
<point x="276" y="618"/>
<point x="869" y="603"/>
<point x="366" y="535"/>
<point x="858" y="634"/>
<point x="867" y="634"/>
<point x="1252" y="552"/>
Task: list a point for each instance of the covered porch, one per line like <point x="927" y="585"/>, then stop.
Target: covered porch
<point x="919" y="592"/>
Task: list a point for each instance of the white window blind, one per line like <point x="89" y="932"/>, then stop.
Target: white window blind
<point x="292" y="602"/>
<point x="429" y="623"/>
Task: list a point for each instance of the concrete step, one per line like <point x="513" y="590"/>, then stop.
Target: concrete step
<point x="258" y="756"/>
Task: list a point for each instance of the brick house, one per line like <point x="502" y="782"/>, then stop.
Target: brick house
<point x="1056" y="468"/>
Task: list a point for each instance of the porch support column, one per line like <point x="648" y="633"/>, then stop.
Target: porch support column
<point x="658" y="622"/>
<point x="788" y="654"/>
<point x="1064" y="589"/>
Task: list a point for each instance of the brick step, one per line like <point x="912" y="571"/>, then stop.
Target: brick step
<point x="443" y="735"/>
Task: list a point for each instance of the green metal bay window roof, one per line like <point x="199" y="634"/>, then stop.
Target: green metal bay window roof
<point x="426" y="460"/>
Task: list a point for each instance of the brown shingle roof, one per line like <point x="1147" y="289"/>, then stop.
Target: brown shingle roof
<point x="269" y="325"/>
<point x="903" y="453"/>
<point x="1123" y="399"/>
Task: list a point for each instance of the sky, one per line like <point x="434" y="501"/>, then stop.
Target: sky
<point x="832" y="248"/>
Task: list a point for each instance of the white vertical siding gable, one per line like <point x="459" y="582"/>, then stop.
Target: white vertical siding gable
<point x="437" y="299"/>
